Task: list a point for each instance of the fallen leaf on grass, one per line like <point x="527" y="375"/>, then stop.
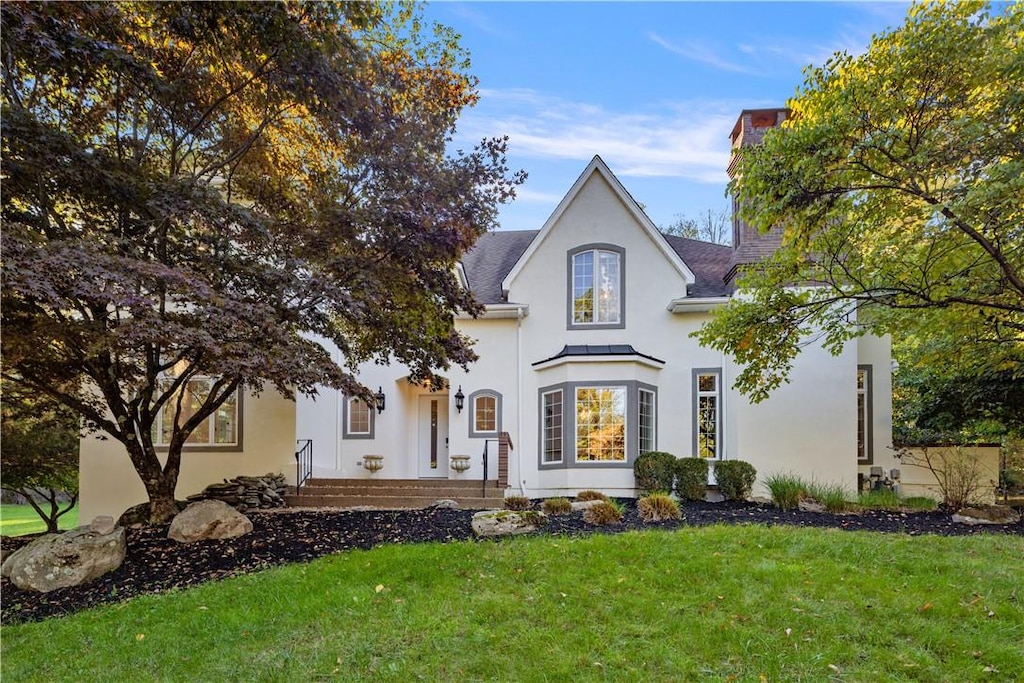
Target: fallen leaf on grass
<point x="925" y="607"/>
<point x="835" y="668"/>
<point x="140" y="636"/>
<point x="379" y="588"/>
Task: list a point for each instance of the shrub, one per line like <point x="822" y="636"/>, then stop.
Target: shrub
<point x="787" y="490"/>
<point x="956" y="470"/>
<point x="735" y="479"/>
<point x="657" y="507"/>
<point x="654" y="471"/>
<point x="589" y="494"/>
<point x="556" y="506"/>
<point x="692" y="478"/>
<point x="517" y="503"/>
<point x="605" y="512"/>
<point x="833" y="497"/>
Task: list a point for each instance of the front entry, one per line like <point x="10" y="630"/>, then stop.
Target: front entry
<point x="433" y="436"/>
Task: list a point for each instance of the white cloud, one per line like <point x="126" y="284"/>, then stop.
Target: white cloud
<point x="682" y="139"/>
<point x="699" y="52"/>
<point x="525" y="194"/>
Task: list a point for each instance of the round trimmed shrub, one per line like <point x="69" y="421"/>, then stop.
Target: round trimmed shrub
<point x="691" y="478"/>
<point x="735" y="479"/>
<point x="654" y="471"/>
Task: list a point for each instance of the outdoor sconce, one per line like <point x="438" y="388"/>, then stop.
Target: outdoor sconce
<point x="460" y="399"/>
<point x="380" y="399"/>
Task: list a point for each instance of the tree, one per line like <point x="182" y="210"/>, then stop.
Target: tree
<point x="709" y="226"/>
<point x="897" y="183"/>
<point x="40" y="452"/>
<point x="201" y="189"/>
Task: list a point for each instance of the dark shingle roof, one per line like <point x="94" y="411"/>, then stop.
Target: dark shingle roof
<point x="709" y="263"/>
<point x="495" y="253"/>
<point x="598" y="350"/>
<point x="490" y="260"/>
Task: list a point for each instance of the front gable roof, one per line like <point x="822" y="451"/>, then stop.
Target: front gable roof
<point x="597" y="166"/>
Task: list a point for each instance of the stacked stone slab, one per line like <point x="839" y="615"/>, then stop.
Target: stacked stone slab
<point x="246" y="493"/>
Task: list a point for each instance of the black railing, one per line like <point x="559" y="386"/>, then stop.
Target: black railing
<point x="303" y="462"/>
<point x="483" y="483"/>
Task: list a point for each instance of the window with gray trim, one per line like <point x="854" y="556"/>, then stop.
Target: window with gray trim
<point x="647" y="428"/>
<point x="707" y="419"/>
<point x="551" y="427"/>
<point x="222" y="430"/>
<point x="592" y="423"/>
<point x="596" y="287"/>
<point x="864" y="450"/>
<point x="358" y="419"/>
<point x="484" y="413"/>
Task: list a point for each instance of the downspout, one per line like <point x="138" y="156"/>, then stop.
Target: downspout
<point x="519" y="400"/>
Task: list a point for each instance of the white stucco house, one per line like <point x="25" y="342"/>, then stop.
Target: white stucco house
<point x="586" y="360"/>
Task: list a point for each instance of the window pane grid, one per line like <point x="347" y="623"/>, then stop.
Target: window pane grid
<point x="596" y="294"/>
<point x="358" y="416"/>
<point x="646" y="419"/>
<point x="485" y="414"/>
<point x="552" y="439"/>
<point x="219" y="429"/>
<point x="707" y="417"/>
<point x="601" y="424"/>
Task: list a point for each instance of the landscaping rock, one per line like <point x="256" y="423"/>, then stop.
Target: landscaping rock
<point x="445" y="504"/>
<point x="811" y="506"/>
<point x="992" y="514"/>
<point x="507" y="522"/>
<point x="103" y="525"/>
<point x="585" y="504"/>
<point x="73" y="558"/>
<point x="137" y="516"/>
<point x="208" y="519"/>
<point x="247" y="493"/>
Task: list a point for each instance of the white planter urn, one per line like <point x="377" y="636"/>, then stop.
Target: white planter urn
<point x="459" y="463"/>
<point x="373" y="463"/>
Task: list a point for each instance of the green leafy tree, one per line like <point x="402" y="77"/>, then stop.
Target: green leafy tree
<point x="39" y="437"/>
<point x="897" y="182"/>
<point x="204" y="188"/>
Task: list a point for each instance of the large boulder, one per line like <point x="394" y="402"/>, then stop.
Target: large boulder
<point x="507" y="522"/>
<point x="990" y="514"/>
<point x="208" y="519"/>
<point x="73" y="558"/>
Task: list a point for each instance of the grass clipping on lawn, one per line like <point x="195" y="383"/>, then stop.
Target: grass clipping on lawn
<point x="719" y="603"/>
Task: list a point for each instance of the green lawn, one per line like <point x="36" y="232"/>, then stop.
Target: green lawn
<point x="717" y="603"/>
<point x="17" y="520"/>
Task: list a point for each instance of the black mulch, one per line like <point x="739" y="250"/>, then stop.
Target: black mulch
<point x="155" y="563"/>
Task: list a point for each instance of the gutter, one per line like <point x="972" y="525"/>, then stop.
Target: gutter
<point x="692" y="305"/>
<point x="498" y="311"/>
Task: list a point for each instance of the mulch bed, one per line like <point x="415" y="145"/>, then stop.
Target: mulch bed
<point x="156" y="564"/>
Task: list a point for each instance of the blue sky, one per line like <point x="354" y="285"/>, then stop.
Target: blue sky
<point x="653" y="87"/>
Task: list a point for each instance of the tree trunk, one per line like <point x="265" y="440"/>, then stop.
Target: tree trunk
<point x="162" y="506"/>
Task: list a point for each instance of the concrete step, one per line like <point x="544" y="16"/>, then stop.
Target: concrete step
<point x="390" y="502"/>
<point x="395" y="493"/>
<point x="397" y="483"/>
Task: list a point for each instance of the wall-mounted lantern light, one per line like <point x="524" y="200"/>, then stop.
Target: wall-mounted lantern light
<point x="460" y="399"/>
<point x="380" y="399"/>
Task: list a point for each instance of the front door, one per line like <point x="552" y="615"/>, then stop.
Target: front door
<point x="433" y="436"/>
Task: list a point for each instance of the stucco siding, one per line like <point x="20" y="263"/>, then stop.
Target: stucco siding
<point x="109" y="484"/>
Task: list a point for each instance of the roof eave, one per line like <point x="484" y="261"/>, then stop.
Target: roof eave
<point x="696" y="305"/>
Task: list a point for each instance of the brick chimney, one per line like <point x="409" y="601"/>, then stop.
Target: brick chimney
<point x="748" y="244"/>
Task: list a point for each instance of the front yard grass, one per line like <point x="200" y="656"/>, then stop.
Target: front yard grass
<point x="17" y="520"/>
<point x="721" y="603"/>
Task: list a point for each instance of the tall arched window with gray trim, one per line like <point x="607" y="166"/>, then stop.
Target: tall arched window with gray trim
<point x="484" y="414"/>
<point x="596" y="287"/>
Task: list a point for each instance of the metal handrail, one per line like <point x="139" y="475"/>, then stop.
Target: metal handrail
<point x="303" y="462"/>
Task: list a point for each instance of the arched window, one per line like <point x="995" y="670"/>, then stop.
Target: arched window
<point x="596" y="287"/>
<point x="484" y="413"/>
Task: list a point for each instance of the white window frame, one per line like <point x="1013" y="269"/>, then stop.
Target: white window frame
<point x="615" y="318"/>
<point x="865" y="451"/>
<point x="546" y="439"/>
<point x="623" y="394"/>
<point x="355" y="402"/>
<point x="699" y="394"/>
<point x="653" y="427"/>
<point x="474" y="432"/>
<point x="346" y="419"/>
<point x="211" y="420"/>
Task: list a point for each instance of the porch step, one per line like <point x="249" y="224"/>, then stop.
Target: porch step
<point x="395" y="493"/>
